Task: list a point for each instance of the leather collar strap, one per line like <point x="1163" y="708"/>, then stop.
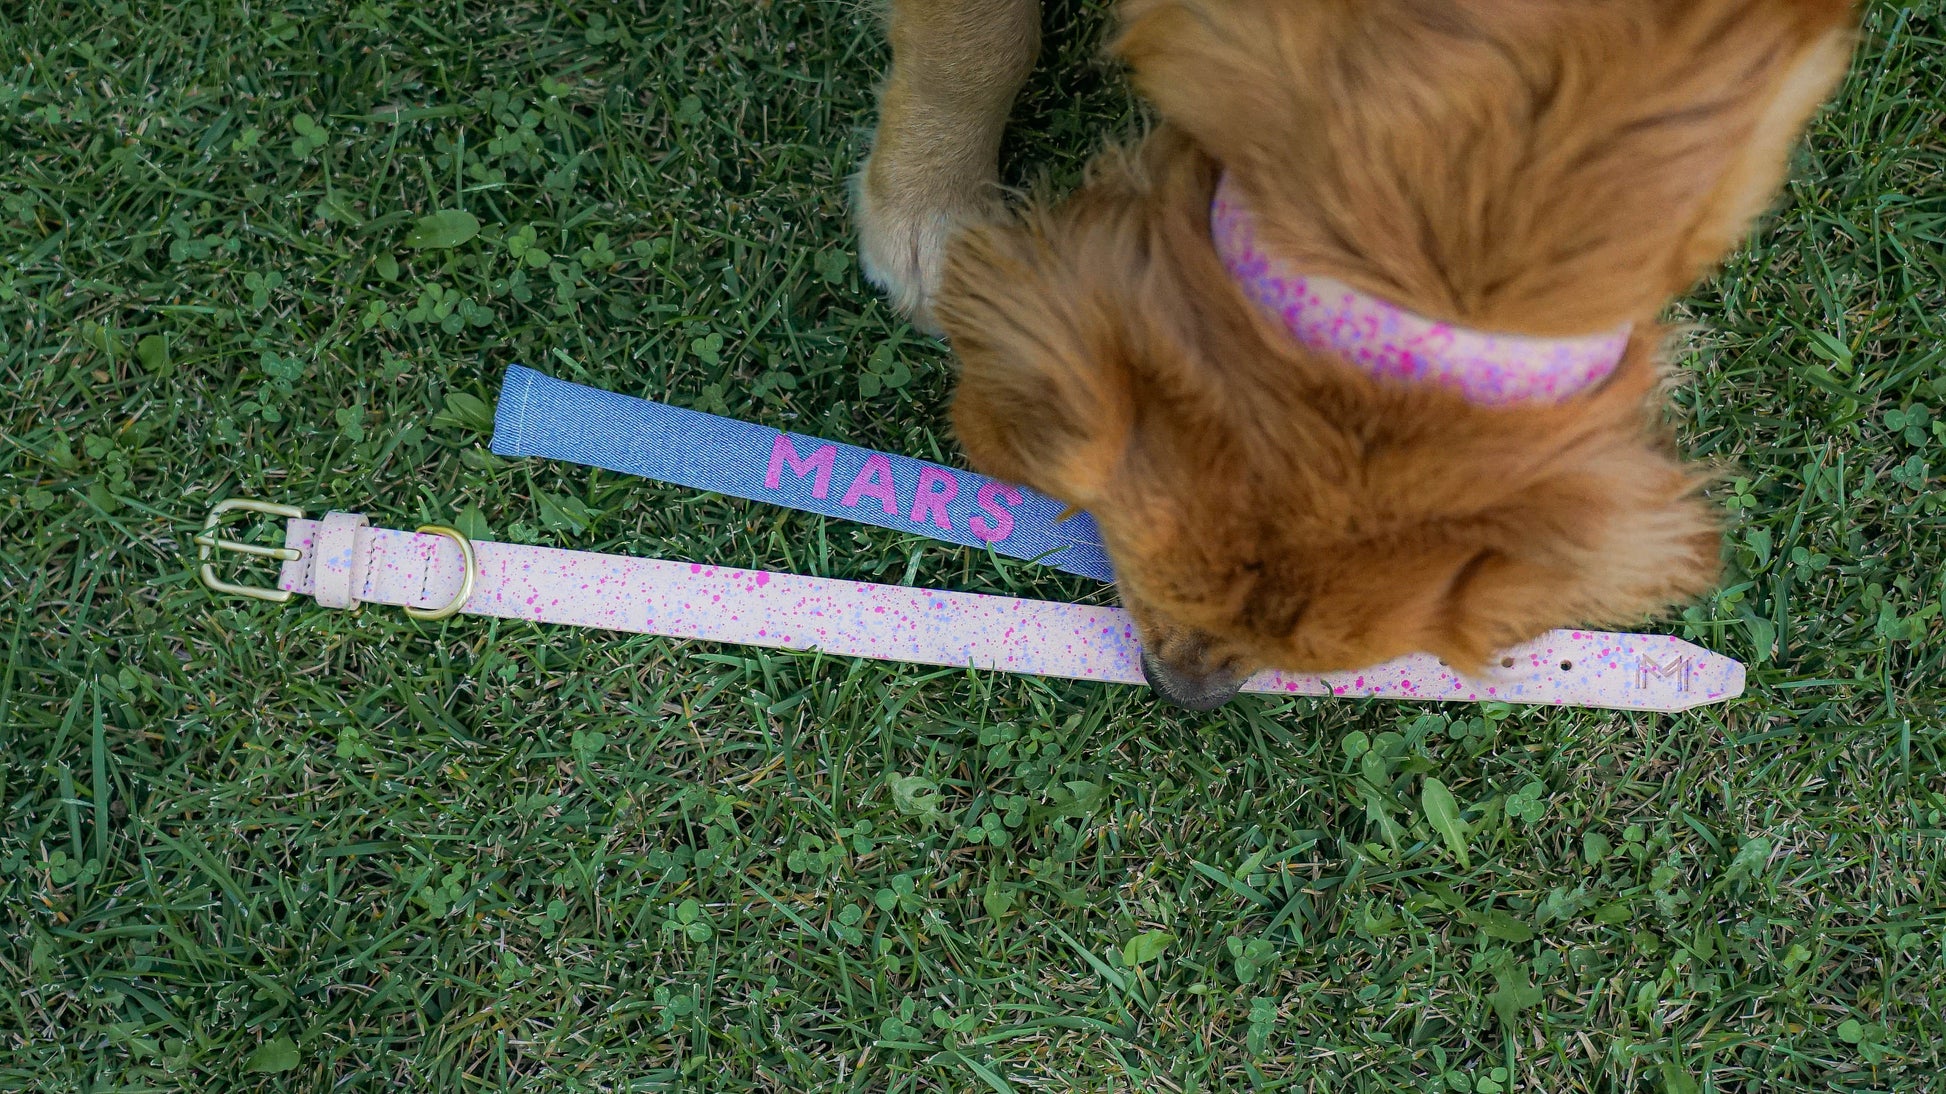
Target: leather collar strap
<point x="1392" y="344"/>
<point x="343" y="561"/>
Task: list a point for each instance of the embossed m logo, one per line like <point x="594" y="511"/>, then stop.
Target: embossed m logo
<point x="1647" y="667"/>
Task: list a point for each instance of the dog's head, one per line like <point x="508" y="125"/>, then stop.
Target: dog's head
<point x="1526" y="166"/>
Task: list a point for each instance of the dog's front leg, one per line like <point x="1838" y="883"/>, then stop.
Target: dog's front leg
<point x="934" y="167"/>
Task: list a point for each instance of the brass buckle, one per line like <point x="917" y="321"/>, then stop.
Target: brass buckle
<point x="207" y="544"/>
<point x="466" y="583"/>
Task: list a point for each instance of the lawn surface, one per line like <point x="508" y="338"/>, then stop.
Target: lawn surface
<point x="249" y="847"/>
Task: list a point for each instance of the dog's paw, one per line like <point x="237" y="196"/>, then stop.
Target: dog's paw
<point x="906" y="217"/>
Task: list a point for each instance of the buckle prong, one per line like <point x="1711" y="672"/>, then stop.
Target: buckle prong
<point x="286" y="554"/>
<point x="208" y="543"/>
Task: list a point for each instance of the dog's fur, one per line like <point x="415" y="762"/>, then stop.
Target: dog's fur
<point x="1549" y="167"/>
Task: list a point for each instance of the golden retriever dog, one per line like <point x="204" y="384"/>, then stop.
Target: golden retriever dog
<point x="1356" y="353"/>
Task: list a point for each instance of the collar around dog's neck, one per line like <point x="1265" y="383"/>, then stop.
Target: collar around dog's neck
<point x="1391" y="343"/>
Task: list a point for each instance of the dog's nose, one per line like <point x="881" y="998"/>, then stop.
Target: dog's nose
<point x="1191" y="690"/>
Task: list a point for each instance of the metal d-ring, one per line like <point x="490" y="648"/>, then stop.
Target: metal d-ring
<point x="466" y="584"/>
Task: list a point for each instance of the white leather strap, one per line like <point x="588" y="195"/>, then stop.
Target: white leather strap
<point x="931" y="627"/>
<point x="338" y="572"/>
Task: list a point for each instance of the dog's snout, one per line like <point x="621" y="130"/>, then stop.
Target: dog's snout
<point x="1201" y="689"/>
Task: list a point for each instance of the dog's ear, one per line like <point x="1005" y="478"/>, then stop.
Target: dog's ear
<point x="1603" y="549"/>
<point x="1033" y="313"/>
<point x="1211" y="69"/>
<point x="1826" y="30"/>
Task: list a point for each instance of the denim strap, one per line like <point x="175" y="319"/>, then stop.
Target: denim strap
<point x="553" y="419"/>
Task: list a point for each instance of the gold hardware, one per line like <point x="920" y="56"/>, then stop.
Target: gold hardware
<point x="207" y="544"/>
<point x="465" y="586"/>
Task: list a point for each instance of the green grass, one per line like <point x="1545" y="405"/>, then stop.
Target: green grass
<point x="250" y="847"/>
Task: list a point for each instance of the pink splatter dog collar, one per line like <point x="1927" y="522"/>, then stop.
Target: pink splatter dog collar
<point x="1392" y="343"/>
<point x="342" y="561"/>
